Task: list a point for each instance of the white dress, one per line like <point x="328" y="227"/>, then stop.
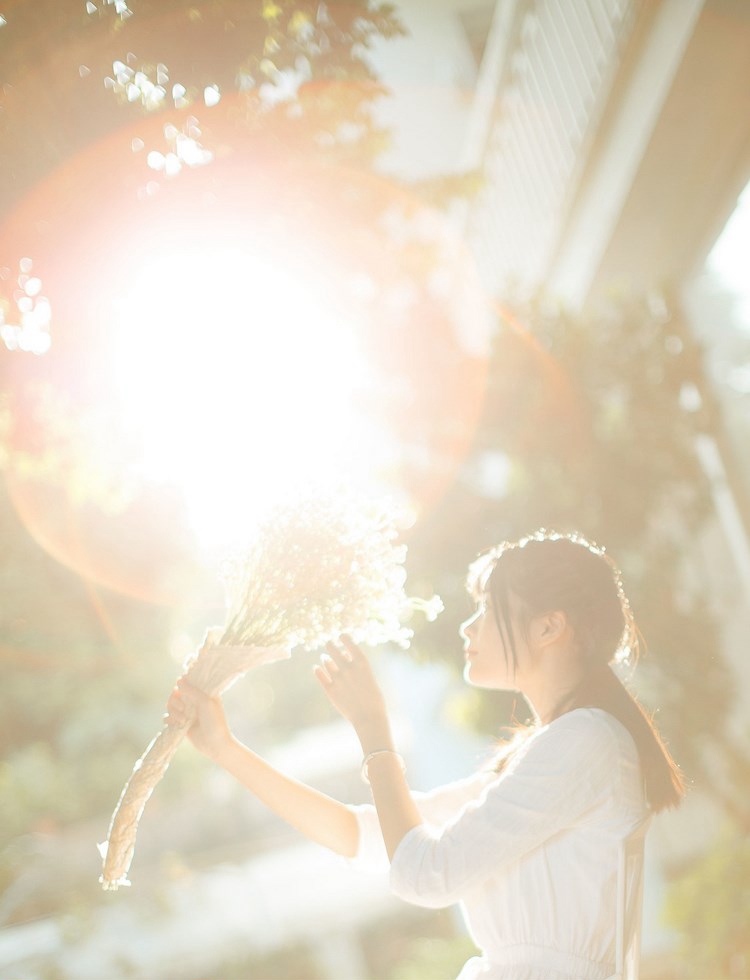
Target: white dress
<point x="531" y="853"/>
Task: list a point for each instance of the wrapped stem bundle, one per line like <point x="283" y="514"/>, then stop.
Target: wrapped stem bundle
<point x="316" y="569"/>
<point x="214" y="669"/>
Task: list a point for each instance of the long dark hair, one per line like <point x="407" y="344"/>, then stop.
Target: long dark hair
<point x="548" y="571"/>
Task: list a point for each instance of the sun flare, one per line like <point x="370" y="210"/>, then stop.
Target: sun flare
<point x="237" y="380"/>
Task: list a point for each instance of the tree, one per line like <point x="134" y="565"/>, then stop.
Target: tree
<point x="284" y="85"/>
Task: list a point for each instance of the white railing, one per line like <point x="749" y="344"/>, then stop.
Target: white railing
<point x="544" y="82"/>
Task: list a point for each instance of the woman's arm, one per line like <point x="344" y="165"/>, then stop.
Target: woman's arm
<point x="347" y="678"/>
<point x="319" y="817"/>
<point x="567" y="776"/>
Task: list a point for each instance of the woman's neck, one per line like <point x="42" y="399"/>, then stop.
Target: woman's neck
<point x="555" y="689"/>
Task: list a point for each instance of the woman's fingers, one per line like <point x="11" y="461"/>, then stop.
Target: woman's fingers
<point x="334" y="664"/>
<point x="342" y="657"/>
<point x="189" y="691"/>
<point x="339" y="655"/>
<point x="184" y="702"/>
<point x="323" y="676"/>
<point x="334" y="656"/>
<point x="175" y="714"/>
<point x="353" y="651"/>
<point x="175" y="706"/>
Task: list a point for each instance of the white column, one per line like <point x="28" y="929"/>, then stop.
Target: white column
<point x="628" y="135"/>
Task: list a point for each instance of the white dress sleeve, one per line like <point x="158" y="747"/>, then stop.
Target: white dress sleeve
<point x="437" y="807"/>
<point x="561" y="773"/>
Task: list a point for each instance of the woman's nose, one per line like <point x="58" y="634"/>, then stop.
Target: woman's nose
<point x="467" y="625"/>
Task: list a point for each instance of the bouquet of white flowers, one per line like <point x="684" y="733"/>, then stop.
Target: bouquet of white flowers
<point x="316" y="569"/>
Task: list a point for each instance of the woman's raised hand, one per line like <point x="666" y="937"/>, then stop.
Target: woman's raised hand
<point x="209" y="732"/>
<point x="347" y="678"/>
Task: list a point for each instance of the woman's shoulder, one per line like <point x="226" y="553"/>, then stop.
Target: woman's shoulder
<point x="585" y="760"/>
<point x="590" y="720"/>
<point x="587" y="730"/>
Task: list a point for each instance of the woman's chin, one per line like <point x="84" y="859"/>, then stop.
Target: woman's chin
<point x="474" y="676"/>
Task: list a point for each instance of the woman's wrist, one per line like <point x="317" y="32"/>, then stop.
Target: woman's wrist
<point x="375" y="735"/>
<point x="388" y="754"/>
<point x="223" y="753"/>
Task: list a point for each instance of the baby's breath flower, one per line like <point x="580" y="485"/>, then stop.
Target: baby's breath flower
<point x="320" y="568"/>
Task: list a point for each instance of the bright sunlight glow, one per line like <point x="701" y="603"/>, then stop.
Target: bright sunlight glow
<point x="728" y="257"/>
<point x="237" y="382"/>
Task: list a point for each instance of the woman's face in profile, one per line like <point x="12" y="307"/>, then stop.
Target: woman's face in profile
<point x="489" y="660"/>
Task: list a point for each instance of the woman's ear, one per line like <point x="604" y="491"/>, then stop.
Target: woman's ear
<point x="549" y="627"/>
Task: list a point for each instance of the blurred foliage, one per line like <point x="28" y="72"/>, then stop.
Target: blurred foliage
<point x="391" y="951"/>
<point x="433" y="959"/>
<point x="234" y="44"/>
<point x="709" y="906"/>
<point x="295" y="963"/>
<point x="66" y="686"/>
<point x="425" y="946"/>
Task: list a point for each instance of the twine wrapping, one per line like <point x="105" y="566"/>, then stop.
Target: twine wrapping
<point x="213" y="669"/>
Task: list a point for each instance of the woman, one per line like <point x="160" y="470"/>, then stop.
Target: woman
<point x="529" y="847"/>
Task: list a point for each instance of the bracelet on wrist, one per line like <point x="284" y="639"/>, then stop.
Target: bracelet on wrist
<point x="371" y="755"/>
